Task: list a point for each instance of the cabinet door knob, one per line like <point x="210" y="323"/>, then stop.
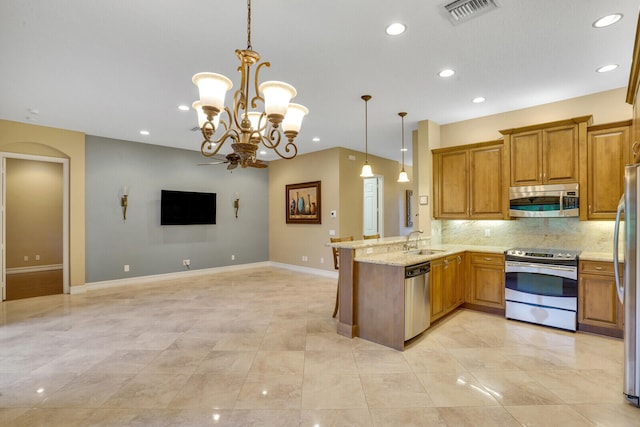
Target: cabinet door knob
<point x="634" y="148"/>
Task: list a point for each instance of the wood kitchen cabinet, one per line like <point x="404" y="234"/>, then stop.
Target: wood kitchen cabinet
<point x="547" y="153"/>
<point x="446" y="281"/>
<point x="468" y="182"/>
<point x="608" y="151"/>
<point x="486" y="279"/>
<point x="599" y="310"/>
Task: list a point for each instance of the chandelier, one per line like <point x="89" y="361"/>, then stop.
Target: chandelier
<point x="243" y="124"/>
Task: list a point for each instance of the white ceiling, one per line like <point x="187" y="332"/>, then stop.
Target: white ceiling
<point x="112" y="68"/>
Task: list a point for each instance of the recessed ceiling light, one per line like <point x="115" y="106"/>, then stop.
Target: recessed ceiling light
<point x="605" y="21"/>
<point x="478" y="100"/>
<point x="263" y="152"/>
<point x="396" y="29"/>
<point x="448" y="72"/>
<point x="144" y="132"/>
<point x="404" y="149"/>
<point x="183" y="107"/>
<point x="607" y="68"/>
<point x="315" y="139"/>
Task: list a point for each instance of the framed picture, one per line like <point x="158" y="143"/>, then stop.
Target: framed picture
<point x="303" y="203"/>
<point x="408" y="200"/>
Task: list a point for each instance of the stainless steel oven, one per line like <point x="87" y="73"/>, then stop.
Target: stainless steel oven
<point x="541" y="286"/>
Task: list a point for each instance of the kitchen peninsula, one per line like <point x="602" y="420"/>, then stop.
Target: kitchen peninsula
<point x="371" y="284"/>
<point x="372" y="292"/>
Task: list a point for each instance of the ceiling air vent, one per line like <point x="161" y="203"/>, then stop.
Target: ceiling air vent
<point x="461" y="11"/>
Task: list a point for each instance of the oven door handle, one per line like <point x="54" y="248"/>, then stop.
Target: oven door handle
<point x="525" y="267"/>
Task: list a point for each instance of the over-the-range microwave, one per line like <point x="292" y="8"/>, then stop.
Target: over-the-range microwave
<point x="545" y="201"/>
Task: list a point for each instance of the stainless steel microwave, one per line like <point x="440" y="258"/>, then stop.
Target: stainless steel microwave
<point x="545" y="201"/>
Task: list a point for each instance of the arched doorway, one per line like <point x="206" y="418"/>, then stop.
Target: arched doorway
<point x="35" y="225"/>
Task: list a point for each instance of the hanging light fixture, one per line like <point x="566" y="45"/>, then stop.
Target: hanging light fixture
<point x="366" y="168"/>
<point x="403" y="175"/>
<point x="248" y="129"/>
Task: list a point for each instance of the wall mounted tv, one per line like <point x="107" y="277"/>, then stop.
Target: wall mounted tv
<point x="187" y="207"/>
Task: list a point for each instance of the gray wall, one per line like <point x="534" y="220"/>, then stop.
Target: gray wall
<point x="140" y="241"/>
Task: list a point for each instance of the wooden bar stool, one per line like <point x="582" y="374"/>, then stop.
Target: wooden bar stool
<point x="371" y="236"/>
<point x="336" y="266"/>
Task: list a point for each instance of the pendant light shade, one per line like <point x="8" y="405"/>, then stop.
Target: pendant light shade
<point x="403" y="177"/>
<point x="366" y="168"/>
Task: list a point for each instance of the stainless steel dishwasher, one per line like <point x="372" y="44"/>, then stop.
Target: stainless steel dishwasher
<point x="417" y="307"/>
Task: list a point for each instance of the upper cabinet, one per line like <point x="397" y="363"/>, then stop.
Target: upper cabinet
<point x="632" y="96"/>
<point x="608" y="151"/>
<point x="547" y="153"/>
<point x="468" y="182"/>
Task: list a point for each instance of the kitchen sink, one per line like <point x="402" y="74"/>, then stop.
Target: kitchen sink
<point x="423" y="251"/>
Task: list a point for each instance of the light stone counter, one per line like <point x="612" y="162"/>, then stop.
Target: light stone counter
<point x="600" y="256"/>
<point x="402" y="258"/>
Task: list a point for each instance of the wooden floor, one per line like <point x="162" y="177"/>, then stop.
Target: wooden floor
<point x="28" y="285"/>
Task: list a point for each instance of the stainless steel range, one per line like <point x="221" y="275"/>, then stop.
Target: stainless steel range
<point x="541" y="286"/>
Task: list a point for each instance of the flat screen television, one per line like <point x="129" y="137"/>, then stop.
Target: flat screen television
<point x="187" y="207"/>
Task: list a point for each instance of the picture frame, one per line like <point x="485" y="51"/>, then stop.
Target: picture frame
<point x="303" y="203"/>
<point x="408" y="201"/>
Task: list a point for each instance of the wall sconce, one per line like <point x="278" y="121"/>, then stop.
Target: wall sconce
<point x="124" y="202"/>
<point x="236" y="203"/>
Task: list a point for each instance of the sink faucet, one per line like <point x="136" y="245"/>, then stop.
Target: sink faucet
<point x="407" y="245"/>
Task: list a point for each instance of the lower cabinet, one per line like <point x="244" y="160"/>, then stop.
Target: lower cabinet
<point x="599" y="309"/>
<point x="486" y="281"/>
<point x="446" y="282"/>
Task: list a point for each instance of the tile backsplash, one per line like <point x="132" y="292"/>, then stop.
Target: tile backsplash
<point x="560" y="233"/>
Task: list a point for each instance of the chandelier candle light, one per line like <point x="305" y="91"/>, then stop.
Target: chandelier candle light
<point x="247" y="129"/>
<point x="366" y="168"/>
<point x="403" y="175"/>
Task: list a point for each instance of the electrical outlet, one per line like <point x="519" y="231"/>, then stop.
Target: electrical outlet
<point x="487" y="232"/>
<point x="37" y="257"/>
<point x="26" y="258"/>
<point x="321" y="260"/>
<point x="233" y="257"/>
<point x="126" y="268"/>
<point x="186" y="262"/>
<point x="304" y="258"/>
<point x="332" y="232"/>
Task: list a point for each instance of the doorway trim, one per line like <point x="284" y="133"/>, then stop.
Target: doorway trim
<point x="65" y="215"/>
<point x="379" y="203"/>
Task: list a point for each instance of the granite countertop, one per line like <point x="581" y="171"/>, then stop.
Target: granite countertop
<point x="389" y="251"/>
<point x="432" y="251"/>
<point x="600" y="256"/>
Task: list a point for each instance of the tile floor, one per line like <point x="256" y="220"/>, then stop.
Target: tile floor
<point x="259" y="348"/>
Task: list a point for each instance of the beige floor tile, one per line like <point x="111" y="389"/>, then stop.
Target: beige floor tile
<point x="381" y="362"/>
<point x="332" y="391"/>
<point x="611" y="414"/>
<point x="449" y="389"/>
<point x="329" y="362"/>
<point x="516" y="387"/>
<point x="394" y="391"/>
<point x="147" y="391"/>
<point x="259" y="347"/>
<point x="407" y="417"/>
<point x="270" y="392"/>
<point x="487" y="416"/>
<point x="335" y="418"/>
<point x="211" y="390"/>
<point x="548" y="415"/>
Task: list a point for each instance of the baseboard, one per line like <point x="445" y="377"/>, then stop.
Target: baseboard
<point x="315" y="271"/>
<point x="34" y="269"/>
<point x="193" y="273"/>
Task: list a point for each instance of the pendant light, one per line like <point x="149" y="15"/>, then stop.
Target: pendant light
<point x="366" y="168"/>
<point x="403" y="175"/>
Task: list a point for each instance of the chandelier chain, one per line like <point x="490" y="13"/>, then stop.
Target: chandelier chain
<point x="249" y="25"/>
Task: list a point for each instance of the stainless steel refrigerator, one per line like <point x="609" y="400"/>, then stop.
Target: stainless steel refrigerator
<point x="628" y="288"/>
